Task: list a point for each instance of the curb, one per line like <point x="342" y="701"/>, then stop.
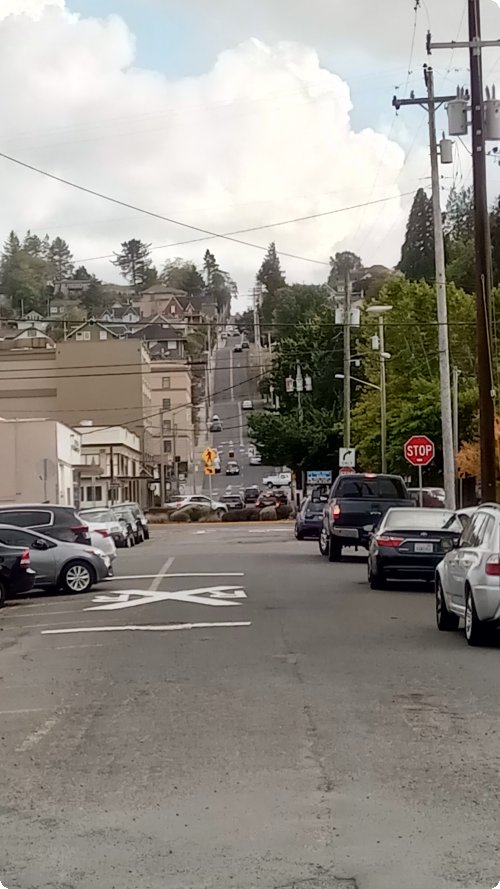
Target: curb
<point x="283" y="522"/>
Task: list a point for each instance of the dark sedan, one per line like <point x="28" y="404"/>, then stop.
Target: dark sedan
<point x="233" y="501"/>
<point x="251" y="495"/>
<point x="16" y="575"/>
<point x="409" y="543"/>
<point x="309" y="520"/>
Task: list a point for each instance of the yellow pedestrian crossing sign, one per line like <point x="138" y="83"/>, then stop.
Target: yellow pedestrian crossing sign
<point x="208" y="456"/>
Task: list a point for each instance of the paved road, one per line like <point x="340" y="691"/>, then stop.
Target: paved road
<point x="236" y="378"/>
<point x="271" y="722"/>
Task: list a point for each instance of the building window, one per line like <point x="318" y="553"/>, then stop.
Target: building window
<point x="165" y="383"/>
<point x="172" y="310"/>
<point x="103" y="335"/>
<point x="171" y="344"/>
<point x="167" y="447"/>
<point x="83" y="335"/>
<point x="31" y="331"/>
<point x="167" y="426"/>
<point x="94" y="492"/>
<point x="167" y="404"/>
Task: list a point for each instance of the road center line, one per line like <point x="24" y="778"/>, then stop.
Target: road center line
<point x="35" y="737"/>
<point x="155" y="583"/>
<point x="190" y="574"/>
<point x="25" y="710"/>
<point x="155" y="628"/>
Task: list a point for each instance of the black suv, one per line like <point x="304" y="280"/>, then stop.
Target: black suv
<point x="60" y="522"/>
<point x="16" y="576"/>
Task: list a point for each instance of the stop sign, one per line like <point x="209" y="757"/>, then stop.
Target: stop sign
<point x="419" y="450"/>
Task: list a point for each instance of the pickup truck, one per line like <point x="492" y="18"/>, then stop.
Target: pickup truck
<point x="278" y="480"/>
<point x="356" y="504"/>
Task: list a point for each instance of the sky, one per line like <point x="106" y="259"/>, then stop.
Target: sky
<point x="226" y="116"/>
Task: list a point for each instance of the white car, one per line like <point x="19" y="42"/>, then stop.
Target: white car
<point x="105" y="517"/>
<point x="277" y="481"/>
<point x="203" y="499"/>
<point x="468" y="578"/>
<point x="102" y="539"/>
<point x="247" y="404"/>
<point x="255" y="460"/>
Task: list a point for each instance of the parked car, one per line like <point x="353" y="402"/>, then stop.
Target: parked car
<point x="251" y="495"/>
<point x="409" y="543"/>
<point x="430" y="496"/>
<point x="16" y="573"/>
<point x="121" y="532"/>
<point x="468" y="578"/>
<point x="247" y="404"/>
<point x="60" y="522"/>
<point x="268" y="498"/>
<point x="101" y="538"/>
<point x="73" y="567"/>
<point x="255" y="460"/>
<point x="215" y="425"/>
<point x="245" y="344"/>
<point x="276" y="481"/>
<point x="309" y="520"/>
<point x="238" y="348"/>
<point x="215" y="505"/>
<point x="232" y="468"/>
<point x="233" y="501"/>
<point x="125" y="513"/>
<point x="139" y="514"/>
<point x="356" y="504"/>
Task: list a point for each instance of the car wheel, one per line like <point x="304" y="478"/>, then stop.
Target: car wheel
<point x="270" y="485"/>
<point x="77" y="577"/>
<point x="323" y="542"/>
<point x="140" y="537"/>
<point x="3" y="595"/>
<point x="299" y="535"/>
<point x="334" y="550"/>
<point x="377" y="581"/>
<point x="475" y="631"/>
<point x="446" y="621"/>
<point x="220" y="512"/>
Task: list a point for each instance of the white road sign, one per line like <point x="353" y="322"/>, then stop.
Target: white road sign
<point x="347" y="457"/>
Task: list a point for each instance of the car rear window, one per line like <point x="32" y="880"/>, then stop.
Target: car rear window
<point x="315" y="507"/>
<point x="379" y="488"/>
<point x="25" y="518"/>
<point x="422" y="519"/>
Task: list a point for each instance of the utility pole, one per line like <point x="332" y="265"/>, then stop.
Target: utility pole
<point x="347" y="358"/>
<point x="480" y="121"/>
<point x="430" y="103"/>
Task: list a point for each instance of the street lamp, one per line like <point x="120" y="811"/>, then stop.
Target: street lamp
<point x="380" y="312"/>
<point x="357" y="380"/>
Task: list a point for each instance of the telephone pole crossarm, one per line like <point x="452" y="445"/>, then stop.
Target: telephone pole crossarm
<point x="423" y="101"/>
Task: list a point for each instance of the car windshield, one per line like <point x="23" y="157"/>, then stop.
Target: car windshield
<point x="97" y="515"/>
<point x="314" y="507"/>
<point x="421" y="519"/>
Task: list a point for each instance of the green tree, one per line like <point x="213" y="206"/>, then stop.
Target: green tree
<point x="134" y="262"/>
<point x="245" y="322"/>
<point x="459" y="238"/>
<point x="32" y="244"/>
<point x="81" y="274"/>
<point x="60" y="261"/>
<point x="220" y="286"/>
<point x="417" y="252"/>
<point x="23" y="277"/>
<point x="183" y="275"/>
<point x="272" y="279"/>
<point x="343" y="264"/>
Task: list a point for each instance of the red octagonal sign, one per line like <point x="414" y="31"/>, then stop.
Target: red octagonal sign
<point x="419" y="450"/>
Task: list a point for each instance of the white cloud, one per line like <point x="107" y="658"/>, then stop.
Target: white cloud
<point x="264" y="136"/>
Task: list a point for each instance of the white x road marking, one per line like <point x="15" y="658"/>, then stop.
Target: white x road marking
<point x="216" y="596"/>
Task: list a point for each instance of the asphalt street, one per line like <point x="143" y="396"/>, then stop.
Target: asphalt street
<point x="236" y="377"/>
<point x="234" y="710"/>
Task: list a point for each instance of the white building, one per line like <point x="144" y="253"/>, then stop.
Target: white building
<point x="38" y="461"/>
<point x="111" y="465"/>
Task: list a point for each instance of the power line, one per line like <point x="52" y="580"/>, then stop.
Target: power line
<point x="209" y="234"/>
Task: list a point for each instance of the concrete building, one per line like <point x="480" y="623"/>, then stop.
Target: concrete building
<point x="39" y="461"/>
<point x="111" y="470"/>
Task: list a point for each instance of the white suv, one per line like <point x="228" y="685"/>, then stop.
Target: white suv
<point x="468" y="578"/>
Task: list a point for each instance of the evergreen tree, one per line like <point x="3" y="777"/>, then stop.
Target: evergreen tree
<point x="495" y="242"/>
<point x="60" y="261"/>
<point x="134" y="262"/>
<point x="270" y="275"/>
<point x="81" y="274"/>
<point x="220" y="286"/>
<point x="32" y="244"/>
<point x="417" y="253"/>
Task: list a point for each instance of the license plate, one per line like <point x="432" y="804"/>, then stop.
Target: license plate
<point x="424" y="548"/>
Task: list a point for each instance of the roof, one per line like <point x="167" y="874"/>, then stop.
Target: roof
<point x="157" y="332"/>
<point x="163" y="290"/>
<point x="118" y="312"/>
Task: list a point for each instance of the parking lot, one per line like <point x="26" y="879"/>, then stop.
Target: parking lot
<point x="232" y="709"/>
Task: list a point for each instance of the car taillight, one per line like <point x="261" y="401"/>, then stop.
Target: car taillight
<point x="104" y="533"/>
<point x="390" y="541"/>
<point x="80" y="529"/>
<point x="25" y="559"/>
<point x="493" y="565"/>
<point x="336" y="511"/>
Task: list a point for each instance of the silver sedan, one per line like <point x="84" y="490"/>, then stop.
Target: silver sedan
<point x="72" y="567"/>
